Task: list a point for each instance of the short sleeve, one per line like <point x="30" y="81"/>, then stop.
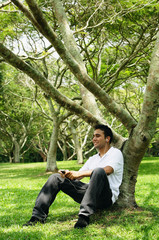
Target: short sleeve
<point x="116" y="161"/>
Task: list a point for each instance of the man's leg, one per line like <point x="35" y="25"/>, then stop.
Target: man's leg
<point x="47" y="195"/>
<point x="98" y="195"/>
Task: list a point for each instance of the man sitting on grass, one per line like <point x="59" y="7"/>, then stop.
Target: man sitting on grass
<point x="105" y="170"/>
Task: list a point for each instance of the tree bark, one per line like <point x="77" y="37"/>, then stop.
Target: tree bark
<point x="88" y="98"/>
<point x="64" y="151"/>
<point x="16" y="152"/>
<point x="43" y="155"/>
<point x="52" y="153"/>
<point x="57" y="120"/>
<point x="63" y="148"/>
<point x="77" y="143"/>
<point x="140" y="137"/>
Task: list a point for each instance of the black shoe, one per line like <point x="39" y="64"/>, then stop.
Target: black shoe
<point x="82" y="222"/>
<point x="33" y="221"/>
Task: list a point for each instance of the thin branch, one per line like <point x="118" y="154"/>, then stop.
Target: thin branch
<point x="87" y="23"/>
<point x="8" y="11"/>
<point x="8" y="116"/>
<point x="5" y="4"/>
<point x="42" y="110"/>
<point x="27" y="14"/>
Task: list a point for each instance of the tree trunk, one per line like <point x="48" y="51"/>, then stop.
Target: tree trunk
<point x="133" y="151"/>
<point x="52" y="153"/>
<point x="77" y="144"/>
<point x="43" y="155"/>
<point x="90" y="104"/>
<point x="10" y="159"/>
<point x="16" y="152"/>
<point x="64" y="150"/>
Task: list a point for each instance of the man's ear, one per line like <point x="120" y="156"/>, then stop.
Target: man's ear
<point x="107" y="138"/>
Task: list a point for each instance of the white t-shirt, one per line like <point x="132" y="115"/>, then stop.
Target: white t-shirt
<point x="114" y="159"/>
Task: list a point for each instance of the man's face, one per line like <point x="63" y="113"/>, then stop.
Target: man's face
<point x="99" y="139"/>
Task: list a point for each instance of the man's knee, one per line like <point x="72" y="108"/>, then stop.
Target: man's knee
<point x="55" y="178"/>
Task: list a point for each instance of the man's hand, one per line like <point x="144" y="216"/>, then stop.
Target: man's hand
<point x="72" y="174"/>
<point x="62" y="172"/>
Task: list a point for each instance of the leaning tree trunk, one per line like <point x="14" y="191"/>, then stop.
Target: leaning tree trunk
<point x="133" y="151"/>
<point x="140" y="137"/>
<point x="89" y="101"/>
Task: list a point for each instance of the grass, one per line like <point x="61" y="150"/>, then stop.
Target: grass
<point x="20" y="184"/>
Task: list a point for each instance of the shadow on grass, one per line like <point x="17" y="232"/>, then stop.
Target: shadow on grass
<point x="100" y="225"/>
<point x="145" y="221"/>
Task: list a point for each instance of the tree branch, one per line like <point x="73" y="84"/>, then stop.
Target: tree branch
<point x="12" y="59"/>
<point x="39" y="21"/>
<point x="27" y="14"/>
<point x="85" y="79"/>
<point x="5" y="4"/>
<point x="76" y="68"/>
<point x="87" y="23"/>
<point x="151" y="97"/>
<point x="65" y="102"/>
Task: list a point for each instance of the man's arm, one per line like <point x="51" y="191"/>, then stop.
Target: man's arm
<point x="77" y="174"/>
<point x="108" y="170"/>
<point x="81" y="174"/>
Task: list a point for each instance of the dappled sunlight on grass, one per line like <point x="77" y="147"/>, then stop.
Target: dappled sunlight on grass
<point x="147" y="187"/>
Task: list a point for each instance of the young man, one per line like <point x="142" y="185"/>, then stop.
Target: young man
<point x="105" y="170"/>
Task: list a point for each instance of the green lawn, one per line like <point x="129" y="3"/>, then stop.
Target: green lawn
<point x="20" y="184"/>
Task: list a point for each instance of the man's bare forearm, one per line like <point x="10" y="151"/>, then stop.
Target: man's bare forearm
<point x="78" y="174"/>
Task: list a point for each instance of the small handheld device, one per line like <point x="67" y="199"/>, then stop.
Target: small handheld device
<point x="63" y="171"/>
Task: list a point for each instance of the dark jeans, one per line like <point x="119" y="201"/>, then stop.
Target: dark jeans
<point x="95" y="195"/>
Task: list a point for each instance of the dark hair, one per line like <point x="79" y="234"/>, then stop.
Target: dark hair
<point x="107" y="131"/>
